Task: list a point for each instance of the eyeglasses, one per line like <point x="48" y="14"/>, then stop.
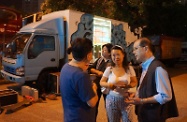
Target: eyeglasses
<point x="136" y="48"/>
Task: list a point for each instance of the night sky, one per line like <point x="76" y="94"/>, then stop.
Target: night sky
<point x="16" y="4"/>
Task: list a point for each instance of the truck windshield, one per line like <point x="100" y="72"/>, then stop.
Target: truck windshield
<point x="17" y="45"/>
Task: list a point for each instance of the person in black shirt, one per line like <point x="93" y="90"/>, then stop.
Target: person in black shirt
<point x="99" y="67"/>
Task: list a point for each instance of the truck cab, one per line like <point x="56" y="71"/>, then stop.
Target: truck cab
<point x="32" y="51"/>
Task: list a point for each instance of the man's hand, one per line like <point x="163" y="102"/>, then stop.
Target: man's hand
<point x="94" y="87"/>
<point x="133" y="100"/>
<point x="100" y="73"/>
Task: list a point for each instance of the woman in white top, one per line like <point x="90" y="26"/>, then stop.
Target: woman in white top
<point x="118" y="79"/>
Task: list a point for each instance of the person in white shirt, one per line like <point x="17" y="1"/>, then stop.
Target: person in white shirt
<point x="117" y="79"/>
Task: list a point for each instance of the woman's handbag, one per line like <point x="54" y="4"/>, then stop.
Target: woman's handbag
<point x="105" y="90"/>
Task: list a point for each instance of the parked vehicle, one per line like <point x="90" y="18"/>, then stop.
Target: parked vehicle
<point x="166" y="48"/>
<point x="39" y="48"/>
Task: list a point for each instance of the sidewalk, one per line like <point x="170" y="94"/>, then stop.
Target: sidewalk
<point x="52" y="110"/>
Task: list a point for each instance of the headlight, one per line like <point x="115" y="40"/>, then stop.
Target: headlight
<point x="20" y="71"/>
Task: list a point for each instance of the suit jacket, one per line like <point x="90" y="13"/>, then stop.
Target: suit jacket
<point x="155" y="112"/>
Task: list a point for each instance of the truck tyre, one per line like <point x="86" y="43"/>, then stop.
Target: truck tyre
<point x="42" y="82"/>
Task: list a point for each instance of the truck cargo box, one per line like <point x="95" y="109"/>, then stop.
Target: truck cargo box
<point x="167" y="49"/>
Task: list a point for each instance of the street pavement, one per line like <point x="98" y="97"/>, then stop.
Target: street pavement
<point x="52" y="110"/>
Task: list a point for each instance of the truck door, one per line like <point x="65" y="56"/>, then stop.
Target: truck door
<point x="41" y="54"/>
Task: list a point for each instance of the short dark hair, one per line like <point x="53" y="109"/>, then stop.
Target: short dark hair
<point x="108" y="46"/>
<point x="80" y="47"/>
<point x="144" y="41"/>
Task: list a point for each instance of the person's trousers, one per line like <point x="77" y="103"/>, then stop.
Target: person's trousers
<point x="150" y="113"/>
<point x="117" y="109"/>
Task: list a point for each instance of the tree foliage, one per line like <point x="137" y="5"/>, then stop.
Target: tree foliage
<point x="155" y="16"/>
<point x="98" y="7"/>
<point x="166" y="17"/>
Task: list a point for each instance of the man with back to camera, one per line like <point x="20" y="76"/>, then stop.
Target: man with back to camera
<point x="79" y="94"/>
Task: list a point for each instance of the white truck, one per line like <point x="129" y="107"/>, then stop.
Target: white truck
<point x="39" y="48"/>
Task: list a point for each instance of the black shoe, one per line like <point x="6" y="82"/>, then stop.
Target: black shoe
<point x="43" y="96"/>
<point x="1" y="110"/>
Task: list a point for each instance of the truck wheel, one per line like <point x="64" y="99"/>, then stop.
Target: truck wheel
<point x="42" y="82"/>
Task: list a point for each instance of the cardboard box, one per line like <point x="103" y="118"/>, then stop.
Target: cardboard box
<point x="8" y="97"/>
